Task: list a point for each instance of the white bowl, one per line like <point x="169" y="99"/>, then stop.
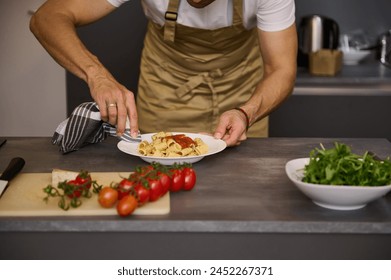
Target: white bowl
<point x="354" y="57"/>
<point x="333" y="197"/>
<point x="214" y="146"/>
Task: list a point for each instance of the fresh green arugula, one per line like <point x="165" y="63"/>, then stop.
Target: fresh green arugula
<point x="340" y="166"/>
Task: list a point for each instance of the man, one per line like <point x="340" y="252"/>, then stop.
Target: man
<point x="201" y="68"/>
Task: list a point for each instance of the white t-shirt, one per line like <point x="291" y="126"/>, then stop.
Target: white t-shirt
<point x="267" y="15"/>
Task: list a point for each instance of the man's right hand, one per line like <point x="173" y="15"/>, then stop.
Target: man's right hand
<point x="116" y="103"/>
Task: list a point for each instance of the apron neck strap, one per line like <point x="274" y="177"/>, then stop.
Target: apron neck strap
<point x="171" y="17"/>
<point x="237" y="18"/>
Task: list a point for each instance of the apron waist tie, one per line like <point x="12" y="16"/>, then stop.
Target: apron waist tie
<point x="195" y="81"/>
<point x="202" y="78"/>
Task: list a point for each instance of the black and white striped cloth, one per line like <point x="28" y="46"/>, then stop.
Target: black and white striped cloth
<point x="84" y="126"/>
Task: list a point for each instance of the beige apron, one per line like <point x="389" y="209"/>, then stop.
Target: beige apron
<point x="190" y="76"/>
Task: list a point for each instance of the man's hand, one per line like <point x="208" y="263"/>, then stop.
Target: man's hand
<point x="116" y="103"/>
<point x="232" y="127"/>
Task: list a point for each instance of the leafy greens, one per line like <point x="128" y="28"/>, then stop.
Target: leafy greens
<point x="339" y="166"/>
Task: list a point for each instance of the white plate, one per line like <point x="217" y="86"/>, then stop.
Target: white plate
<point x="333" y="197"/>
<point x="214" y="146"/>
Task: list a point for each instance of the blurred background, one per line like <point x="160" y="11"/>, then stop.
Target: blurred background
<point x="36" y="94"/>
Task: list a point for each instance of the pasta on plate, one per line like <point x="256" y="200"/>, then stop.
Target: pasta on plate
<point x="166" y="144"/>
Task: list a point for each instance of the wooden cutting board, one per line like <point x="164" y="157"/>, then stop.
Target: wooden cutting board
<point x="24" y="197"/>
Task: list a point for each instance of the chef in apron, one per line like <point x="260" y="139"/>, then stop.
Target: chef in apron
<point x="199" y="79"/>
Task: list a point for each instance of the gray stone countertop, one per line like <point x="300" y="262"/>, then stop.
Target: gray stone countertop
<point x="371" y="73"/>
<point x="242" y="189"/>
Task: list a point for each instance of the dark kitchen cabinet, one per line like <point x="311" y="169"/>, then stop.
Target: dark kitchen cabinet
<point x="333" y="116"/>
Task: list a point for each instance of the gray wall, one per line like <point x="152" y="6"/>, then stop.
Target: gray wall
<point x="372" y="16"/>
<point x="32" y="84"/>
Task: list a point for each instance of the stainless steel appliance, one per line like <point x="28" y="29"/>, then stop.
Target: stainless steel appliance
<point x="316" y="32"/>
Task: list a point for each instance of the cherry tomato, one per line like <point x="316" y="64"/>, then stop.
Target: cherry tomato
<point x="156" y="189"/>
<point x="143" y="194"/>
<point x="107" y="197"/>
<point x="165" y="180"/>
<point x="177" y="180"/>
<point x="124" y="187"/>
<point x="73" y="189"/>
<point x="84" y="179"/>
<point x="126" y="205"/>
<point x="189" y="178"/>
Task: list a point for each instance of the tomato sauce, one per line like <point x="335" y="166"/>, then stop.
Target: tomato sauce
<point x="183" y="140"/>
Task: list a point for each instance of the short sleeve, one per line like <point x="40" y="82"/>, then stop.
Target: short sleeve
<point x="117" y="3"/>
<point x="275" y="15"/>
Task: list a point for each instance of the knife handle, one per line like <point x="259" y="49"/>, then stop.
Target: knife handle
<point x="13" y="168"/>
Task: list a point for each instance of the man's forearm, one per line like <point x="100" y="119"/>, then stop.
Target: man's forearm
<point x="279" y="53"/>
<point x="269" y="94"/>
<point x="54" y="25"/>
<point x="63" y="44"/>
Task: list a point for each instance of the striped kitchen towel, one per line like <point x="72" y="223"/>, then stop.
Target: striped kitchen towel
<point x="84" y="126"/>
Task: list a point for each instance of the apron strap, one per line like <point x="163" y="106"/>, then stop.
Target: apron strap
<point x="203" y="78"/>
<point x="171" y="17"/>
<point x="194" y="81"/>
<point x="237" y="12"/>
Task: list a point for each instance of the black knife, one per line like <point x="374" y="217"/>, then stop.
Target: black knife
<point x="13" y="168"/>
